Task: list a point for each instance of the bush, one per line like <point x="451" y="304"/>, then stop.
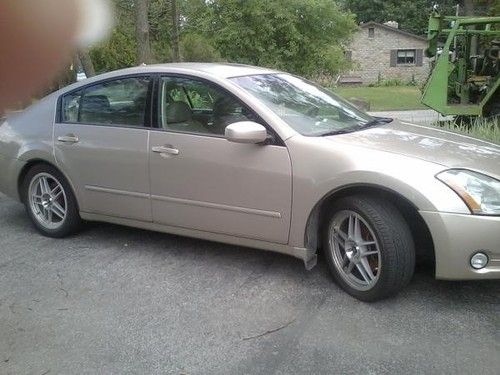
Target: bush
<point x="487" y="129"/>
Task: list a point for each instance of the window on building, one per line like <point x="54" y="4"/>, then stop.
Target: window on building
<point x="371" y="32"/>
<point x="406" y="57"/>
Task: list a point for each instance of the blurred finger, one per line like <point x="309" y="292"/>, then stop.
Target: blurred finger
<point x="37" y="38"/>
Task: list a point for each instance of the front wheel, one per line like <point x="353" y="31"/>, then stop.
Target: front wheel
<point x="50" y="202"/>
<point x="369" y="247"/>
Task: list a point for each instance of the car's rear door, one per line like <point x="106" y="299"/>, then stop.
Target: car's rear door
<point x="201" y="181"/>
<point x="101" y="144"/>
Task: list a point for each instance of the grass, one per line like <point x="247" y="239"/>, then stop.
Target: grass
<point x="488" y="130"/>
<point x="385" y="98"/>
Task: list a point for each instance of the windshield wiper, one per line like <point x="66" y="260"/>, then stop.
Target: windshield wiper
<point x="377" y="121"/>
<point x="339" y="131"/>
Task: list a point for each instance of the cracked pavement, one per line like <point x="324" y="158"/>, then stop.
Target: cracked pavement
<point x="116" y="300"/>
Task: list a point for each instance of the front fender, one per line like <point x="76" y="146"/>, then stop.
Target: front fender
<point x="328" y="169"/>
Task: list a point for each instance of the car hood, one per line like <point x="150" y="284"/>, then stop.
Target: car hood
<point x="431" y="144"/>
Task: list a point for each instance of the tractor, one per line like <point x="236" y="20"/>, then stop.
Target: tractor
<point x="465" y="79"/>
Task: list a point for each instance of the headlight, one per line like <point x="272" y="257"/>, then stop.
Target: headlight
<point x="480" y="193"/>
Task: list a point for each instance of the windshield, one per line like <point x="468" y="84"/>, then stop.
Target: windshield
<point x="309" y="109"/>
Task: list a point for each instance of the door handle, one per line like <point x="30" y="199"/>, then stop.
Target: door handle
<point x="165" y="150"/>
<point x="69" y="138"/>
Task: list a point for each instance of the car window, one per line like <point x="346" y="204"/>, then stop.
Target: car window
<point x="117" y="102"/>
<point x="195" y="106"/>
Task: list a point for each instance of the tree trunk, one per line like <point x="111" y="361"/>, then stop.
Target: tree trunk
<point x="176" y="56"/>
<point x="142" y="32"/>
<point x="86" y="62"/>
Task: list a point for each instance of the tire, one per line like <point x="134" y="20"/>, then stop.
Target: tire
<point x="378" y="259"/>
<point x="50" y="202"/>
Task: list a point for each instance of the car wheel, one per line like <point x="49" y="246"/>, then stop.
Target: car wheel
<point x="50" y="202"/>
<point x="369" y="247"/>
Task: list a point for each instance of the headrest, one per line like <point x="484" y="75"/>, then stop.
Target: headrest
<point x="93" y="103"/>
<point x="224" y="106"/>
<point x="178" y="112"/>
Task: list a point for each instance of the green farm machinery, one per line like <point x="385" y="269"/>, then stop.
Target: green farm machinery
<point x="465" y="79"/>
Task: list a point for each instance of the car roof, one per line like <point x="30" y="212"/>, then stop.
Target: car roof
<point x="217" y="70"/>
<point x="221" y="70"/>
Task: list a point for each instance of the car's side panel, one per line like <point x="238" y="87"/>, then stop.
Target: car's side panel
<point x="9" y="172"/>
<point x="108" y="167"/>
<point x="25" y="137"/>
<point x="214" y="185"/>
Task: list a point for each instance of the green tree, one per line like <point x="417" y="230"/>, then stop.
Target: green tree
<point x="300" y="36"/>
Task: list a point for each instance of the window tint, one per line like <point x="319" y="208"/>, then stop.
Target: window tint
<point x="118" y="102"/>
<point x="197" y="107"/>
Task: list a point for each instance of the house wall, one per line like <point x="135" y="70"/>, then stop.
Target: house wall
<point x="372" y="56"/>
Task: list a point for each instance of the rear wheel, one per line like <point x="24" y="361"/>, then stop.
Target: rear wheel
<point x="50" y="202"/>
<point x="369" y="247"/>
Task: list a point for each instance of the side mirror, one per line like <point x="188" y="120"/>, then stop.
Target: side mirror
<point x="246" y="132"/>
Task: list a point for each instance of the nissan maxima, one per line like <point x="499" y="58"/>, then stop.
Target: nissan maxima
<point x="258" y="158"/>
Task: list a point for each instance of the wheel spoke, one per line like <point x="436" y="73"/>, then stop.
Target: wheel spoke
<point x="45" y="214"/>
<point x="345" y="260"/>
<point x="363" y="273"/>
<point x="350" y="228"/>
<point x="341" y="234"/>
<point x="357" y="229"/>
<point x="49" y="215"/>
<point x="40" y="186"/>
<point x="37" y="198"/>
<point x="58" y="210"/>
<point x="340" y="237"/>
<point x="369" y="253"/>
<point x="367" y="270"/>
<point x="44" y="183"/>
<point x="56" y="192"/>
<point x="366" y="243"/>
<point x="349" y="268"/>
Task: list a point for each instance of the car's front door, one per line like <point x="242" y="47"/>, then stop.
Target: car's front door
<point x="201" y="181"/>
<point x="101" y="143"/>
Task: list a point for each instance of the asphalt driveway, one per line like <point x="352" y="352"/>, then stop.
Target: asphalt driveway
<point x="115" y="300"/>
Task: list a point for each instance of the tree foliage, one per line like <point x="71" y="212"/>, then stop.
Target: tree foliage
<point x="302" y="36"/>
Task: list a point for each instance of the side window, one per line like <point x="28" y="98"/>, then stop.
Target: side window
<point x="117" y="102"/>
<point x="71" y="106"/>
<point x="195" y="106"/>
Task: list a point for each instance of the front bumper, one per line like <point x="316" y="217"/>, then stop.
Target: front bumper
<point x="457" y="237"/>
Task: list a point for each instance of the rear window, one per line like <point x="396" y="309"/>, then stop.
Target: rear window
<point x="117" y="102"/>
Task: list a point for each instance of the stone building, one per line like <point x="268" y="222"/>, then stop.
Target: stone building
<point x="384" y="52"/>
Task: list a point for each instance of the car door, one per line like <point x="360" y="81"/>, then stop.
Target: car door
<point x="101" y="144"/>
<point x="201" y="181"/>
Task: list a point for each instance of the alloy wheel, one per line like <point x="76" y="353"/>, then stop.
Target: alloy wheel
<point x="355" y="250"/>
<point x="47" y="201"/>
